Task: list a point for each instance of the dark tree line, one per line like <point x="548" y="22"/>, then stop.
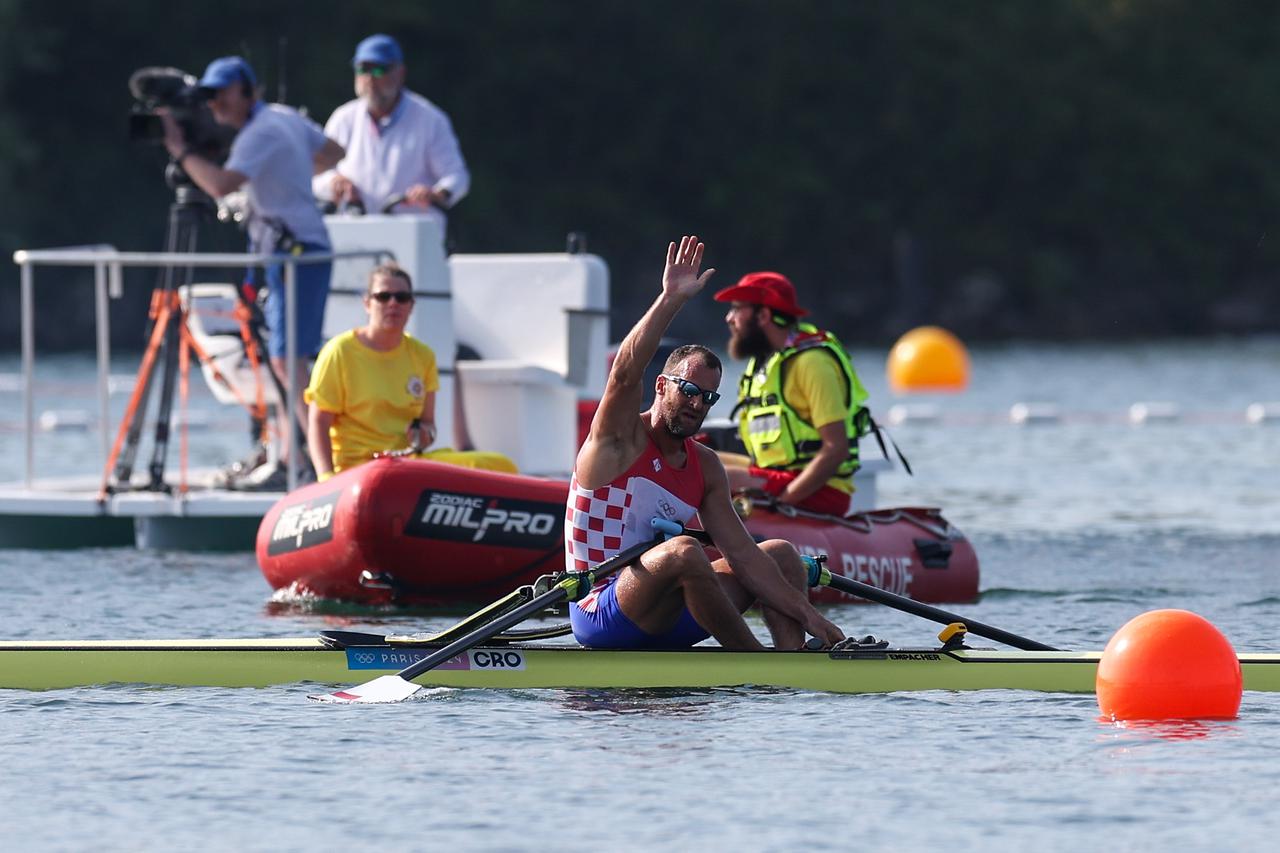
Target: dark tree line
<point x="1065" y="169"/>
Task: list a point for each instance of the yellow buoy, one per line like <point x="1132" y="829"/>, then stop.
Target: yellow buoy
<point x="928" y="359"/>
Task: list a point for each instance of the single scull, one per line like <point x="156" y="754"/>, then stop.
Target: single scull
<point x="340" y="657"/>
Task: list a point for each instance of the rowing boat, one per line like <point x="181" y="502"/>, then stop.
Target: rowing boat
<point x="337" y="657"/>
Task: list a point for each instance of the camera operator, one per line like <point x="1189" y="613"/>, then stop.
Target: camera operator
<point x="398" y="142"/>
<point x="274" y="156"/>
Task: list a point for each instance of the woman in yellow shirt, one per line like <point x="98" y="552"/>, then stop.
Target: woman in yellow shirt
<point x="373" y="389"/>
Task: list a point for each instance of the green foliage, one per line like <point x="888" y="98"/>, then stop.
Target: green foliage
<point x="1009" y="168"/>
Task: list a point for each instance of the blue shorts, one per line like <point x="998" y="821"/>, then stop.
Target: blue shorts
<point x="312" y="292"/>
<point x="609" y="628"/>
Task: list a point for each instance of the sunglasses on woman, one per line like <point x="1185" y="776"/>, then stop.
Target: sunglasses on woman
<point x="689" y="389"/>
<point x="385" y="296"/>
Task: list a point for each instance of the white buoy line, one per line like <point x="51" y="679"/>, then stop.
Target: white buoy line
<point x="117" y="383"/>
<point x="1033" y="413"/>
<point x="82" y="420"/>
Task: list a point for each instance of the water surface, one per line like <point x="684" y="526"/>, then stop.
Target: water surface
<point x="1079" y="525"/>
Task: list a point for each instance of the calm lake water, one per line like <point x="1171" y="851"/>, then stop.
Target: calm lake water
<point x="1079" y="524"/>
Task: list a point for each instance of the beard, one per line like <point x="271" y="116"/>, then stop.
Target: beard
<point x="750" y="343"/>
<point x="378" y="101"/>
<point x="679" y="424"/>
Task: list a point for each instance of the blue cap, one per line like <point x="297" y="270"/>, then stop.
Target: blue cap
<point x="225" y="71"/>
<point x="382" y="49"/>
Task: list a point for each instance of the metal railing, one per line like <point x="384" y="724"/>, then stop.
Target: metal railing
<point x="108" y="265"/>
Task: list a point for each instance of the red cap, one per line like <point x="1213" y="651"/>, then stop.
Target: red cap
<point x="770" y="289"/>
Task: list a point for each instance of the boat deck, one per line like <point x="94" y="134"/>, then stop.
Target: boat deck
<point x="65" y="512"/>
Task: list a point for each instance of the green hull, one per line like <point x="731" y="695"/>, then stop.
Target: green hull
<point x="261" y="663"/>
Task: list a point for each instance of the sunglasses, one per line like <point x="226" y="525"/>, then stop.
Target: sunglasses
<point x="385" y="296"/>
<point x="373" y="70"/>
<point x="689" y="389"/>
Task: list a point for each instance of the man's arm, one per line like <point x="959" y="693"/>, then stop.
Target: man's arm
<point x="822" y="467"/>
<point x="329" y="184"/>
<point x="757" y="572"/>
<point x="207" y="175"/>
<point x="319" y="444"/>
<point x="445" y="160"/>
<point x="327" y="156"/>
<point x="818" y="386"/>
<point x="616" y="430"/>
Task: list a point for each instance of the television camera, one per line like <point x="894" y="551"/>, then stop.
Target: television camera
<point x="156" y="88"/>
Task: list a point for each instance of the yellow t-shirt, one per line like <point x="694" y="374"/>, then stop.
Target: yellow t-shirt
<point x="816" y="388"/>
<point x="372" y="395"/>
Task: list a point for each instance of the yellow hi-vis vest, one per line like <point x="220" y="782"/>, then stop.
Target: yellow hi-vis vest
<point x="774" y="433"/>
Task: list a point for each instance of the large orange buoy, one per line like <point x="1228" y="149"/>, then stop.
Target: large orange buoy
<point x="927" y="359"/>
<point x="1169" y="665"/>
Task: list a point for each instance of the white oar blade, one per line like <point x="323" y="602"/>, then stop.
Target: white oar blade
<point x="385" y="689"/>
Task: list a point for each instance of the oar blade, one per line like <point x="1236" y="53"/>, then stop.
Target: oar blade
<point x="398" y="687"/>
<point x="385" y="689"/>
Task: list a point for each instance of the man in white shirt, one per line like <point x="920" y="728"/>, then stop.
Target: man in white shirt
<point x="397" y="142"/>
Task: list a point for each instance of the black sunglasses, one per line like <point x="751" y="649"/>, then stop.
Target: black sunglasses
<point x="689" y="389"/>
<point x="385" y="296"/>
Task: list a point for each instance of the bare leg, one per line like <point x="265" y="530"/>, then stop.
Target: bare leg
<point x="786" y="632"/>
<point x="675" y="575"/>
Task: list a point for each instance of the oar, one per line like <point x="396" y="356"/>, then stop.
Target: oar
<point x="398" y="687"/>
<point x="907" y="605"/>
<point x="820" y="575"/>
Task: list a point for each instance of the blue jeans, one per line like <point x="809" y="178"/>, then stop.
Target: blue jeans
<point x="312" y="292"/>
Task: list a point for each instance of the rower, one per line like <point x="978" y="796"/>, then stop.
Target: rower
<point x="634" y="466"/>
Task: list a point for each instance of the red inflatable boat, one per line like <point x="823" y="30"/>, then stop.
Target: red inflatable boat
<point x="412" y="532"/>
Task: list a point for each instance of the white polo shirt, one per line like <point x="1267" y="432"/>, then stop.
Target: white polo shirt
<point x="413" y="145"/>
<point x="275" y="150"/>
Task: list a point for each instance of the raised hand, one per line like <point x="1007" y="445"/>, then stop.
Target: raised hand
<point x="681" y="277"/>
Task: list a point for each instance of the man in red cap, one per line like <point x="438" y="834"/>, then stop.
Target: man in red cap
<point x="800" y="403"/>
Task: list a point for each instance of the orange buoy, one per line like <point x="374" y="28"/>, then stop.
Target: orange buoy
<point x="927" y="359"/>
<point x="1169" y="665"/>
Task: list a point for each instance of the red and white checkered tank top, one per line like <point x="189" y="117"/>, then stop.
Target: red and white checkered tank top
<point x="601" y="522"/>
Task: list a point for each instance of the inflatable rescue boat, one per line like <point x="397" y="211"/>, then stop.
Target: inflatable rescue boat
<point x="418" y="533"/>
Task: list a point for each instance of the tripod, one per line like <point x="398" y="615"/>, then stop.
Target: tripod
<point x="165" y="328"/>
<point x="169" y="345"/>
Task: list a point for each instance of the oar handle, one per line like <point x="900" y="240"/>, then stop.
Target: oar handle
<point x="555" y="595"/>
<point x="907" y="605"/>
